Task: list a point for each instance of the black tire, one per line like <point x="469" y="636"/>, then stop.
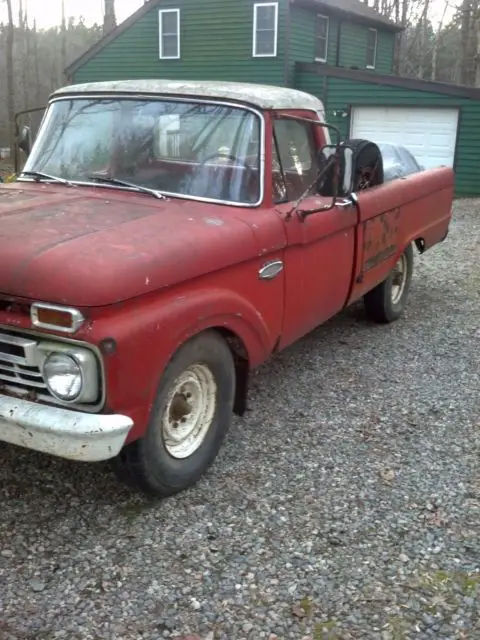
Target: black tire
<point x="380" y="303"/>
<point x="147" y="464"/>
<point x="367" y="170"/>
<point x="367" y="164"/>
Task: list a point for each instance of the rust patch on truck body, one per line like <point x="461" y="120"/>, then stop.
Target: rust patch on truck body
<point x="380" y="238"/>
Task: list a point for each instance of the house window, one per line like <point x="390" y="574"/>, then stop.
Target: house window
<point x="167" y="136"/>
<point x="169" y="33"/>
<point x="265" y="28"/>
<point x="321" y="40"/>
<point x="372" y="48"/>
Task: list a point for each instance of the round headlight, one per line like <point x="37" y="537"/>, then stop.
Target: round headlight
<point x="63" y="376"/>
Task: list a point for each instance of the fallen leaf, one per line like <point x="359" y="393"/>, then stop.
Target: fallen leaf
<point x="436" y="519"/>
<point x="298" y="611"/>
<point x="387" y="475"/>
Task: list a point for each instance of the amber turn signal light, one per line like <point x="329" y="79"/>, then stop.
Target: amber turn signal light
<point x="56" y="318"/>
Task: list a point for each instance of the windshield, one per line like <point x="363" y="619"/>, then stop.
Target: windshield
<point x="192" y="149"/>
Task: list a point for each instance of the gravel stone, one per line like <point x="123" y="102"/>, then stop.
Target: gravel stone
<point x="37" y="585"/>
<point x="346" y="504"/>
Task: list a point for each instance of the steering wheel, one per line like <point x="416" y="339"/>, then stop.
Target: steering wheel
<point x="228" y="156"/>
<point x="238" y="163"/>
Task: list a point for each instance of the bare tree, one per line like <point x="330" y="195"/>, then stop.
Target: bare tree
<point x="436" y="42"/>
<point x="469" y="10"/>
<point x="64" y="39"/>
<point x="10" y="87"/>
<point x="36" y="63"/>
<point x="477" y="54"/>
<point x="423" y="34"/>
<point x="109" y="19"/>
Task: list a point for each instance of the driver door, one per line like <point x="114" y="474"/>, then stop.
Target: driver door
<point x="320" y="250"/>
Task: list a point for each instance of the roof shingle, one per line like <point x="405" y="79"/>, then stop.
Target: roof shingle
<point x="358" y="9"/>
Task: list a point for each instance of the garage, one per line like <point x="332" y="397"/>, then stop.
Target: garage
<point x="429" y="133"/>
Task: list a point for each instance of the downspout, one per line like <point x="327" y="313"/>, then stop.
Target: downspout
<point x="339" y="37"/>
<point x="337" y="63"/>
<point x="286" y="53"/>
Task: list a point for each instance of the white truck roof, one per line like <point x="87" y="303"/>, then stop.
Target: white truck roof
<point x="257" y="95"/>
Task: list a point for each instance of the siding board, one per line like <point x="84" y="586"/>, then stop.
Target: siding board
<point x="353" y="50"/>
<point x="343" y="93"/>
<point x="353" y="42"/>
<point x="216" y="44"/>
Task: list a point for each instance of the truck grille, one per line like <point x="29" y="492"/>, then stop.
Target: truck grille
<point x="18" y="364"/>
<point x="21" y="358"/>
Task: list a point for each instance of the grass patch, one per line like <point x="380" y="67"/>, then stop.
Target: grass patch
<point x="132" y="511"/>
<point x="442" y="581"/>
<point x="325" y="631"/>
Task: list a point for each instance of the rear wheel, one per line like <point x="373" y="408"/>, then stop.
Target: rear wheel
<point x="388" y="300"/>
<point x="189" y="420"/>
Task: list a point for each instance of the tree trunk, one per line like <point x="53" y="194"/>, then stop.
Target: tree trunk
<point x="25" y="34"/>
<point x="436" y="43"/>
<point x="401" y="53"/>
<point x="10" y="87"/>
<point x="477" y="57"/>
<point x="109" y="20"/>
<point x="36" y="65"/>
<point x="423" y="26"/>
<point x="63" y="45"/>
<point x="465" y="30"/>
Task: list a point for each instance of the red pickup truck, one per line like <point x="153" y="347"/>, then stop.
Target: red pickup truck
<point x="164" y="239"/>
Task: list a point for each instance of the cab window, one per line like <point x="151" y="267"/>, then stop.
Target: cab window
<point x="293" y="159"/>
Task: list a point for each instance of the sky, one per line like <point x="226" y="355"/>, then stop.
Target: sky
<point x="91" y="10"/>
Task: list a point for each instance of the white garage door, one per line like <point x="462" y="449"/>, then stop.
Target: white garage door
<point x="430" y="134"/>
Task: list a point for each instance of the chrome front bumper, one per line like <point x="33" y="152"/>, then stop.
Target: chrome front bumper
<point x="62" y="432"/>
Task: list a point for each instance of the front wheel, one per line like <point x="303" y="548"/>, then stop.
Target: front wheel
<point x="189" y="420"/>
<point x="388" y="300"/>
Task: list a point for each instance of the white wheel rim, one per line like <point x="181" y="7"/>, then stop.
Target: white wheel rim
<point x="399" y="279"/>
<point x="189" y="411"/>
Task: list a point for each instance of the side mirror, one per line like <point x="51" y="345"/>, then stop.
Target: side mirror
<point x="25" y="140"/>
<point x="335" y="164"/>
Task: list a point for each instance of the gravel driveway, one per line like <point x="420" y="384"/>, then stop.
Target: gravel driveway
<point x="345" y="505"/>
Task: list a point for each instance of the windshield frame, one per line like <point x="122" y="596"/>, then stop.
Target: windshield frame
<point x="173" y="98"/>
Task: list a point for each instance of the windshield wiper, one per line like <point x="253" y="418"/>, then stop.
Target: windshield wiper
<point x="124" y="183"/>
<point x="38" y="175"/>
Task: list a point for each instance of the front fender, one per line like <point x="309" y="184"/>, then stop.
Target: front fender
<point x="147" y="333"/>
<point x="205" y="309"/>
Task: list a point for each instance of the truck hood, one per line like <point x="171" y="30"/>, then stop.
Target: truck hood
<point x="96" y="246"/>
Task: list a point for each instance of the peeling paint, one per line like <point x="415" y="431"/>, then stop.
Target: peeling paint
<point x="110" y="254"/>
<point x="263" y="96"/>
<point x="380" y="239"/>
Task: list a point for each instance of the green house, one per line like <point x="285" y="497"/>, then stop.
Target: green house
<point x="340" y="50"/>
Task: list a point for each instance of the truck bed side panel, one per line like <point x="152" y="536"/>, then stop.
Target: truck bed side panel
<point x="395" y="214"/>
